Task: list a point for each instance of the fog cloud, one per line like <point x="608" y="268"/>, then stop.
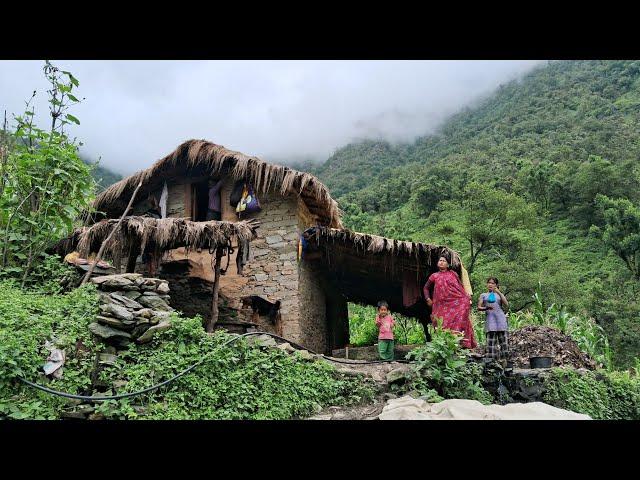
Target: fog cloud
<point x="136" y="112"/>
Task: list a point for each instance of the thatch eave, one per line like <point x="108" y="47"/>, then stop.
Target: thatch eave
<point x="137" y="233"/>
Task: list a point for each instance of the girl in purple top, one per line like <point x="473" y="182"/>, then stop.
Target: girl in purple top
<point x="496" y="326"/>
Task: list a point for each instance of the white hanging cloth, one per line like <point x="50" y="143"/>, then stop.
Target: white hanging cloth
<point x="163" y="201"/>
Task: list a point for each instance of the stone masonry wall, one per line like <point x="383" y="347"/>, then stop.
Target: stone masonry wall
<point x="132" y="307"/>
<point x="272" y="269"/>
<point x="312" y="305"/>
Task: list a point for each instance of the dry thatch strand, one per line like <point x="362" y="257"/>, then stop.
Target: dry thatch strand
<point x="423" y="252"/>
<point x="159" y="234"/>
<point x="215" y="159"/>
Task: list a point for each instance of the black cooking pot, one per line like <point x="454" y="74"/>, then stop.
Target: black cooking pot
<point x="540" y="362"/>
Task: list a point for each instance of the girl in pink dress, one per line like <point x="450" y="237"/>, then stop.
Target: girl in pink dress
<point x="450" y="302"/>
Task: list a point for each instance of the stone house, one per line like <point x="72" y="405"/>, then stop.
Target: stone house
<point x="302" y="266"/>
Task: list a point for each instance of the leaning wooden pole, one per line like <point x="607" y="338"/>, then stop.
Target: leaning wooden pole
<point x="216" y="288"/>
<point x="106" y="241"/>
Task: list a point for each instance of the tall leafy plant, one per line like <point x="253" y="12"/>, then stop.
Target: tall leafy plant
<point x="44" y="184"/>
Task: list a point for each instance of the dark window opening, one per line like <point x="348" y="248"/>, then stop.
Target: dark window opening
<point x="200" y="201"/>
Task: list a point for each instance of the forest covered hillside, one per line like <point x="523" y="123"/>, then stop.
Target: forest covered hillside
<point x="516" y="184"/>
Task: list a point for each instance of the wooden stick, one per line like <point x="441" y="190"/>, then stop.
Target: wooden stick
<point x="106" y="241"/>
<point x="216" y="288"/>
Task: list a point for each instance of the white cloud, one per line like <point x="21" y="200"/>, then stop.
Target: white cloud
<point x="138" y="111"/>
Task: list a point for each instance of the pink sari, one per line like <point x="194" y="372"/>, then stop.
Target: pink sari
<point x="451" y="304"/>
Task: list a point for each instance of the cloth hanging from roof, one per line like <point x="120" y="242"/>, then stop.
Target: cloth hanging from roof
<point x="163" y="201"/>
<point x="242" y="256"/>
<point x="465" y="280"/>
<point x="411" y="292"/>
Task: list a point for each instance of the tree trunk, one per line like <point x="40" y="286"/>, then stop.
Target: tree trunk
<point x="216" y="287"/>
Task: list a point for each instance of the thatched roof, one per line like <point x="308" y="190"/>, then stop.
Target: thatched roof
<point x="410" y="253"/>
<point x="370" y="268"/>
<point x="215" y="159"/>
<point x="154" y="234"/>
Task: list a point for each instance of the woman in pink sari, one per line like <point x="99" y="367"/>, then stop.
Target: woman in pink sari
<point x="450" y="302"/>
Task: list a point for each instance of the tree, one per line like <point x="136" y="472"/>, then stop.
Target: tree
<point x="492" y="218"/>
<point x="621" y="232"/>
<point x="45" y="185"/>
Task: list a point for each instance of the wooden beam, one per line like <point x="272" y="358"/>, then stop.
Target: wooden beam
<point x="216" y="288"/>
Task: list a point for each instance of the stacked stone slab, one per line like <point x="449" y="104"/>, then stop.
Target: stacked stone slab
<point x="132" y="308"/>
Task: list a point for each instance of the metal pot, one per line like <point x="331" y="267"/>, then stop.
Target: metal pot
<point x="540" y="362"/>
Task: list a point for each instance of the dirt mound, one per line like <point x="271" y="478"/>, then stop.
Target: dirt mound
<point x="537" y="340"/>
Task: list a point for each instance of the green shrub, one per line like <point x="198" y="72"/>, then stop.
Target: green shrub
<point x="27" y="320"/>
<point x="239" y="381"/>
<point x="363" y="330"/>
<point x="443" y="366"/>
<point x="603" y="395"/>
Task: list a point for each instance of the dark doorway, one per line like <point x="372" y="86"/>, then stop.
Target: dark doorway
<point x="200" y="200"/>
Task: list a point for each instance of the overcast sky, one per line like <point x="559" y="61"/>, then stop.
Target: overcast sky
<point x="136" y="112"/>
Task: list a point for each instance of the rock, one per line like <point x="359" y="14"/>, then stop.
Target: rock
<point x="112" y="322"/>
<point x="163" y="288"/>
<point x="261" y="341"/>
<point x="273" y="239"/>
<point x="131" y="276"/>
<point x="107" y="359"/>
<point x="112" y="282"/>
<point x="154" y="301"/>
<point x="286" y="347"/>
<point x="305" y="355"/>
<point x="119" y="384"/>
<point x="107" y="333"/>
<point x="317" y="408"/>
<point x="96" y="416"/>
<point x="140" y="329"/>
<point x="144" y="313"/>
<point x="261" y="277"/>
<point x="116" y="311"/>
<point x="73" y="415"/>
<point x="148" y="335"/>
<point x="320" y="417"/>
<point x="399" y="375"/>
<point x="143" y="321"/>
<point x="127" y="302"/>
<point x="389" y="396"/>
<point x="160" y="316"/>
<point x="132" y="294"/>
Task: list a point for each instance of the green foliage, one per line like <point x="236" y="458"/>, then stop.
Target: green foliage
<point x="559" y="138"/>
<point x="363" y="330"/>
<point x="236" y="382"/>
<point x="443" y="366"/>
<point x="239" y="381"/>
<point x="27" y="320"/>
<point x="44" y="185"/>
<point x="621" y="232"/>
<point x="601" y="395"/>
<point x="491" y="218"/>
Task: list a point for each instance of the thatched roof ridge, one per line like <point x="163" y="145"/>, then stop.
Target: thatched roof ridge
<point x="216" y="158"/>
<point x="159" y="234"/>
<point x="377" y="244"/>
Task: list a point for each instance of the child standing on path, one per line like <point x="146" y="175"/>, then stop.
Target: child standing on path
<point x="496" y="326"/>
<point x="385" y="323"/>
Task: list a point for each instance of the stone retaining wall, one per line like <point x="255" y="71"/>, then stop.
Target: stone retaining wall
<point x="132" y="308"/>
